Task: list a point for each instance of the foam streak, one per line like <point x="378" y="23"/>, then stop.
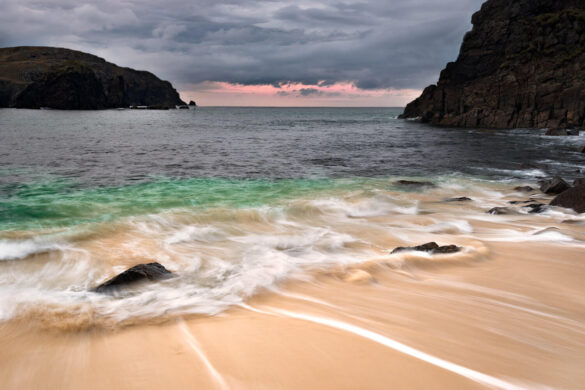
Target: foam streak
<point x="197" y="348"/>
<point x="475" y="376"/>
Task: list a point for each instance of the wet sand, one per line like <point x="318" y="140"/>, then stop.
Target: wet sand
<point x="512" y="319"/>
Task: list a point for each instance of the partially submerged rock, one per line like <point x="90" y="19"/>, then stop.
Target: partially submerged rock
<point x="556" y="185"/>
<point x="573" y="198"/>
<point x="536" y="208"/>
<point x="579" y="182"/>
<point x="502" y="211"/>
<point x="582" y="149"/>
<point x="460" y="199"/>
<point x="524" y="189"/>
<point x="430" y="247"/>
<point x="140" y="272"/>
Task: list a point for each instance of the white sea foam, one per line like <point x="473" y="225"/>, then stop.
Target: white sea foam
<point x="20" y="249"/>
<point x="223" y="256"/>
<point x="450" y="227"/>
<point x="195" y="233"/>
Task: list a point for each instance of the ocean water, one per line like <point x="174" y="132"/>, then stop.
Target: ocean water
<point x="237" y="200"/>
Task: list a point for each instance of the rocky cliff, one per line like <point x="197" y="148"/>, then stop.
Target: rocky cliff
<point x="522" y="65"/>
<point x="33" y="77"/>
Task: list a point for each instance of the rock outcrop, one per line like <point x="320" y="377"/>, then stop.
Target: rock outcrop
<point x="522" y="65"/>
<point x="573" y="198"/>
<point x="555" y="186"/>
<point x="430" y="247"/>
<point x="34" y="77"/>
<point x="140" y="272"/>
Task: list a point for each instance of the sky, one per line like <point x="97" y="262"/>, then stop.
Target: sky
<point x="259" y="52"/>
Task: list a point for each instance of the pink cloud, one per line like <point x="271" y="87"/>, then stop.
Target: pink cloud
<point x="296" y="94"/>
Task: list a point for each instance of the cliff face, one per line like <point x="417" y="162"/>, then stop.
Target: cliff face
<point x="522" y="65"/>
<point x="33" y="77"/>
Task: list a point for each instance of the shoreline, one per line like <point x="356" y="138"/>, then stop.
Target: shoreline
<point x="516" y="319"/>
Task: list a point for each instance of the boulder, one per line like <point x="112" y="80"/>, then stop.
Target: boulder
<point x="430" y="247"/>
<point x="140" y="272"/>
<point x="573" y="198"/>
<point x="460" y="199"/>
<point x="524" y="189"/>
<point x="556" y="185"/>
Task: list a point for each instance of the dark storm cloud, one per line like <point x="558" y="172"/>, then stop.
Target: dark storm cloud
<point x="373" y="43"/>
<point x="309" y="91"/>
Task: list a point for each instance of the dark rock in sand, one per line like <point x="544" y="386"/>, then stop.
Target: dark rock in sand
<point x="579" y="182"/>
<point x="524" y="189"/>
<point x="140" y="272"/>
<point x="573" y="198"/>
<point x="431" y="247"/>
<point x="521" y="66"/>
<point x="536" y="208"/>
<point x="414" y="184"/>
<point x="460" y="199"/>
<point x="34" y="77"/>
<point x="556" y="185"/>
<point x="502" y="211"/>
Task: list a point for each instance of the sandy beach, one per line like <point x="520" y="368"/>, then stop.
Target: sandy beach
<point x="507" y="312"/>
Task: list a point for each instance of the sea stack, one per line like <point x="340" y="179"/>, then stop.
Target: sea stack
<point x="35" y="77"/>
<point x="522" y="65"/>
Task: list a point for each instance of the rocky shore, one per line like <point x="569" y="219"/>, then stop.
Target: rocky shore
<point x="521" y="66"/>
<point x="39" y="77"/>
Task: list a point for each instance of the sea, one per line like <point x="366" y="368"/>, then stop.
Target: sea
<point x="236" y="201"/>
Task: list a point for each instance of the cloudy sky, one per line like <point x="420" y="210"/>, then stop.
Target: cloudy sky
<point x="259" y="52"/>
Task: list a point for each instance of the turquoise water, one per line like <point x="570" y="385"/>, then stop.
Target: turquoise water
<point x="58" y="202"/>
